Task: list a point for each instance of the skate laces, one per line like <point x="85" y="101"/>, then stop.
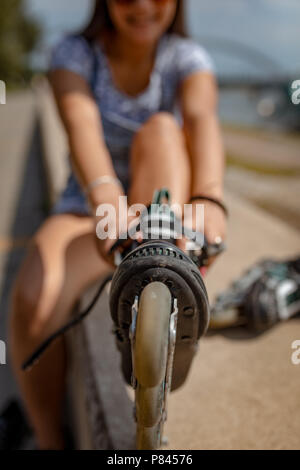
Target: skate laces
<point x="159" y="222"/>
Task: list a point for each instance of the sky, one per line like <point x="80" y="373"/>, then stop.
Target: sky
<point x="243" y="36"/>
<point x="269" y="26"/>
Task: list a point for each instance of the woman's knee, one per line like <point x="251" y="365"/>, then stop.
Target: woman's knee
<point x="61" y="261"/>
<point x="32" y="296"/>
<point x="159" y="125"/>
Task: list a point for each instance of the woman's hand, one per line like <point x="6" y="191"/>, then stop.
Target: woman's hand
<point x="111" y="220"/>
<point x="214" y="224"/>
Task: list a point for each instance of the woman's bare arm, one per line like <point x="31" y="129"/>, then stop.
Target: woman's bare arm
<point x="82" y="121"/>
<point x="198" y="96"/>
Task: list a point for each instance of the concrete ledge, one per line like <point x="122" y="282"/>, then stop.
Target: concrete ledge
<point x="108" y="406"/>
<point x="55" y="145"/>
<point x="101" y="409"/>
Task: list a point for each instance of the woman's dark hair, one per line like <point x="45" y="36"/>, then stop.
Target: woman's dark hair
<point x="101" y="22"/>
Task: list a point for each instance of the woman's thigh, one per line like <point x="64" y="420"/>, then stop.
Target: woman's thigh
<point x="62" y="260"/>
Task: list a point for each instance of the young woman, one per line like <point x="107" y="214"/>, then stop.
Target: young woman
<point x="139" y="104"/>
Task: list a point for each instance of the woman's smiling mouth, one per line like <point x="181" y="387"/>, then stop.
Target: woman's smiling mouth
<point x="140" y="22"/>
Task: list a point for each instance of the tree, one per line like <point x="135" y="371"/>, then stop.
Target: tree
<point x="18" y="37"/>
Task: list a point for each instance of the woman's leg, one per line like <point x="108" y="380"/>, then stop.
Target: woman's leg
<point x="159" y="158"/>
<point x="61" y="261"/>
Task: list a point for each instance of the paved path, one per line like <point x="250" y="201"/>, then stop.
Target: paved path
<point x="243" y="392"/>
<point x="271" y="150"/>
<point x="278" y="195"/>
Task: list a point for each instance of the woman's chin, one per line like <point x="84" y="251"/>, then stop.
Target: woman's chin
<point x="143" y="36"/>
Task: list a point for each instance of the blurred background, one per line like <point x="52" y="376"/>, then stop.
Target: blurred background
<point x="255" y="48"/>
<point x="254" y="45"/>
